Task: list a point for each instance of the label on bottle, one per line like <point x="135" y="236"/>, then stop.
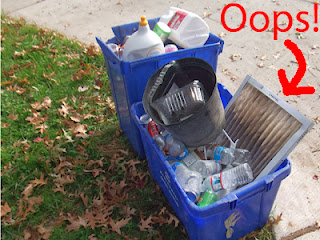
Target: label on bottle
<point x="216" y="183"/>
<point x="154" y="51"/>
<point x="177" y="19"/>
<point x="217" y="152"/>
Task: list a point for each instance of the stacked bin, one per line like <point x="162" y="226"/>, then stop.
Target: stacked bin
<point x="128" y="79"/>
<point x="239" y="213"/>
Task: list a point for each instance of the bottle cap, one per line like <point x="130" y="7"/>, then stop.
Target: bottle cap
<point x="143" y="21"/>
<point x="163" y="30"/>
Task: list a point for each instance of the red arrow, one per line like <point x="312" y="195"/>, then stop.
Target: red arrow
<point x="291" y="88"/>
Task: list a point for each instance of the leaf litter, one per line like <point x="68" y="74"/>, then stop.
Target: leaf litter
<point x="87" y="162"/>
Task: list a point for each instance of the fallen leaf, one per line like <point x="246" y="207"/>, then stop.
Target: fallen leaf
<point x="173" y="218"/>
<point x="260" y="65"/>
<point x="32" y="201"/>
<point x="315" y="177"/>
<point x="76" y="117"/>
<point x="39" y="182"/>
<point x="42" y="128"/>
<point x="27" y="191"/>
<point x="206" y="14"/>
<point x="116" y="226"/>
<point x="145" y="224"/>
<point x="13" y="116"/>
<point x="83" y="89"/>
<point x="4" y="125"/>
<point x="235" y="57"/>
<point x="5" y="209"/>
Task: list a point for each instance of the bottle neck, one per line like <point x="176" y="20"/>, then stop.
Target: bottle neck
<point x="143" y="29"/>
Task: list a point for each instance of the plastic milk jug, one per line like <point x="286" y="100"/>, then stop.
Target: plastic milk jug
<point x="188" y="30"/>
<point x="142" y="43"/>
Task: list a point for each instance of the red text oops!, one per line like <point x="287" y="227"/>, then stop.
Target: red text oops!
<point x="276" y="15"/>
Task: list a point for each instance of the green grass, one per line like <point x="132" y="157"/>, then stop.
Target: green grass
<point x="68" y="172"/>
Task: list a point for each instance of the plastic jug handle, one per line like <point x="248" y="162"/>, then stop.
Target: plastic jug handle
<point x="232" y="143"/>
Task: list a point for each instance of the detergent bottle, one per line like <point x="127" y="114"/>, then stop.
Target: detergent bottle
<point x="142" y="43"/>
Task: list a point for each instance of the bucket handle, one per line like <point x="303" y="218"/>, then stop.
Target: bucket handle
<point x="159" y="79"/>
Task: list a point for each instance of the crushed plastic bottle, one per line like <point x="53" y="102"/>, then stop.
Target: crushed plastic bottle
<point x="189" y="180"/>
<point x="229" y="179"/>
<point x="206" y="167"/>
<point x="176" y="149"/>
<point x="232" y="155"/>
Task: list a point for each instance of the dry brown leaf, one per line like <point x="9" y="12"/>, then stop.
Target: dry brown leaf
<point x="5" y="209"/>
<point x="145" y="224"/>
<point x="13" y="116"/>
<point x="64" y="110"/>
<point x="76" y="117"/>
<point x="116" y="226"/>
<point x="32" y="201"/>
<point x="85" y="199"/>
<point x="235" y="57"/>
<point x="172" y="219"/>
<point x="42" y="128"/>
<point x="27" y="191"/>
<point x="39" y="182"/>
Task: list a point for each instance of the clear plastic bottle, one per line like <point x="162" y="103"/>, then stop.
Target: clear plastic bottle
<point x="189" y="180"/>
<point x="231" y="156"/>
<point x="229" y="179"/>
<point x="206" y="167"/>
<point x="142" y="43"/>
<point x="175" y="148"/>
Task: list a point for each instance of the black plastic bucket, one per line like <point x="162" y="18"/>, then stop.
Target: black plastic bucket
<point x="204" y="125"/>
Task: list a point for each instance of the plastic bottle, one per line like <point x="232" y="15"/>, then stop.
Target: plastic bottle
<point x="142" y="43"/>
<point x="208" y="198"/>
<point x="206" y="167"/>
<point x="188" y="30"/>
<point x="189" y="180"/>
<point x="229" y="179"/>
<point x="175" y="148"/>
<point x="155" y="134"/>
<point x="231" y="156"/>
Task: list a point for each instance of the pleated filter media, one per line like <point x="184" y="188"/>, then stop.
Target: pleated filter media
<point x="265" y="125"/>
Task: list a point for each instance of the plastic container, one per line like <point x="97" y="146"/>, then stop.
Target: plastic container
<point x="128" y="79"/>
<point x="206" y="123"/>
<point x="142" y="43"/>
<point x="181" y="103"/>
<point x="237" y="214"/>
<point x="188" y="30"/>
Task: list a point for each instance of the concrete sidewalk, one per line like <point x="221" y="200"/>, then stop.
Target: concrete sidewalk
<point x="245" y="52"/>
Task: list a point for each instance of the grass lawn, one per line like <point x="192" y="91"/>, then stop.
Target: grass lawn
<point x="68" y="171"/>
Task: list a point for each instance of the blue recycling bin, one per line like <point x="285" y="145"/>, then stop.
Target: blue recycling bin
<point x="128" y="79"/>
<point x="239" y="213"/>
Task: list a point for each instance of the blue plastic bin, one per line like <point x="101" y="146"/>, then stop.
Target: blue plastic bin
<point x="232" y="217"/>
<point x="128" y="79"/>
